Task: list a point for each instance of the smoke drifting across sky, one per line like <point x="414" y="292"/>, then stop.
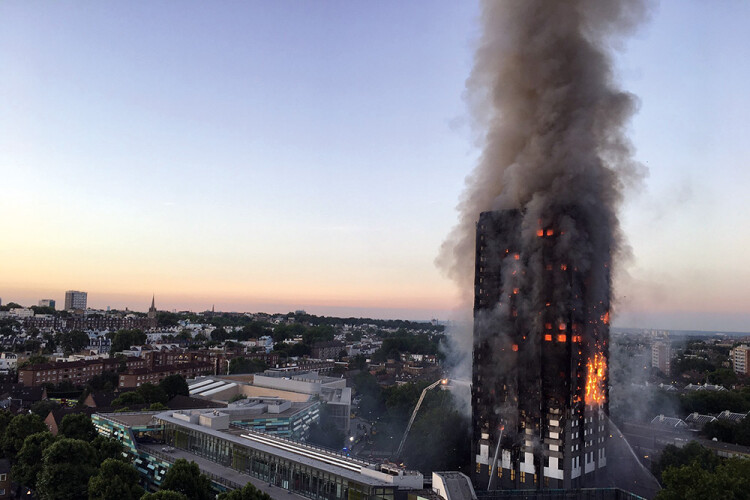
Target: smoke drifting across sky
<point x="551" y="123"/>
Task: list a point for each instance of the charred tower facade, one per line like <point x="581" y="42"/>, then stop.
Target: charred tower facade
<point x="541" y="335"/>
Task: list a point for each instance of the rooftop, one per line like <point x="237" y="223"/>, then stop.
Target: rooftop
<point x="335" y="463"/>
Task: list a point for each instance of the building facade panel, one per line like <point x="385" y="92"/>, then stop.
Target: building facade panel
<point x="539" y="381"/>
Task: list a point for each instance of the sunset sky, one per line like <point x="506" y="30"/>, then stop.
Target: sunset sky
<point x="309" y="155"/>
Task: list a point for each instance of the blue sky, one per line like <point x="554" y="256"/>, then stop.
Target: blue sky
<point x="283" y="155"/>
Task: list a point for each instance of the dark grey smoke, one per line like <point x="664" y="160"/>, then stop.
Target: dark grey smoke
<point x="552" y="122"/>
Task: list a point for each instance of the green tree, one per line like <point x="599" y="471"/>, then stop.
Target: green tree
<point x="373" y="399"/>
<point x="157" y="407"/>
<point x="32" y="345"/>
<point x="672" y="456"/>
<point x="128" y="398"/>
<point x="18" y="430"/>
<point x="116" y="480"/>
<point x="185" y="477"/>
<point x="73" y="341"/>
<point x="67" y="466"/>
<point x="282" y="332"/>
<point x="165" y="318"/>
<point x="107" y="381"/>
<point x="33" y="360"/>
<point x="164" y="495"/>
<point x="123" y="339"/>
<point x="400" y="400"/>
<point x="729" y="480"/>
<point x="152" y="393"/>
<point x="219" y="334"/>
<point x="28" y="463"/>
<point x="43" y="407"/>
<point x="440" y="423"/>
<point x="78" y="426"/>
<point x="358" y="362"/>
<point x="107" y="448"/>
<point x="722" y="376"/>
<point x="174" y="385"/>
<point x="248" y="492"/>
<point x="320" y="333"/>
<point x="5" y="419"/>
<point x="246" y="365"/>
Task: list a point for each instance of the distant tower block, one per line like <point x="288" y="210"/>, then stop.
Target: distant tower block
<point x="539" y="388"/>
<point x="75" y="300"/>
<point x="47" y="303"/>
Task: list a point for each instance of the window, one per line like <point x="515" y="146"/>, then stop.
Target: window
<point x="3" y="477"/>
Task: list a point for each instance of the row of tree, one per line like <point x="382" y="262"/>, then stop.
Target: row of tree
<point x="695" y="473"/>
<point x="78" y="463"/>
<point x="404" y="342"/>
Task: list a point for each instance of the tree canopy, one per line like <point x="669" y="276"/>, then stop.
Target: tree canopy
<point x="77" y="426"/>
<point x="174" y="385"/>
<point x="186" y="478"/>
<point x="72" y="341"/>
<point x="729" y="479"/>
<point x="164" y="495"/>
<point x="246" y="365"/>
<point x="28" y="463"/>
<point x="116" y="480"/>
<point x="248" y="492"/>
<point x="18" y="430"/>
<point x="68" y="464"/>
<point x="123" y="339"/>
<point x="672" y="456"/>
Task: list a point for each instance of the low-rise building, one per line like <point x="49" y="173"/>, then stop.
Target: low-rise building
<point x="8" y="362"/>
<point x="157" y="439"/>
<point x="275" y="416"/>
<point x="5" y="483"/>
<point x="139" y="376"/>
<point x="76" y="372"/>
<point x="327" y="350"/>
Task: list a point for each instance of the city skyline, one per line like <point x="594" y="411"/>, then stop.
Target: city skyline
<point x="298" y="157"/>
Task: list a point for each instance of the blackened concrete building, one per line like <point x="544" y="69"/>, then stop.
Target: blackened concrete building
<point x="539" y="388"/>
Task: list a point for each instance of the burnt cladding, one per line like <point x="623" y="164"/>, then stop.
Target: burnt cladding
<point x="539" y="391"/>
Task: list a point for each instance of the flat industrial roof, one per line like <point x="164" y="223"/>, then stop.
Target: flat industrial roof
<point x="284" y="453"/>
<point x="134" y="419"/>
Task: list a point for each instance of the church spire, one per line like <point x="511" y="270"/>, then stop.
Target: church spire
<point x="152" y="309"/>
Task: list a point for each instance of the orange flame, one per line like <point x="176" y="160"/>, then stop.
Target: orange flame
<point x="605" y="318"/>
<point x="595" y="373"/>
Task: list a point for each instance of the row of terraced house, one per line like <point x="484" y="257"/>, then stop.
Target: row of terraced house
<point x="151" y="367"/>
<point x="136" y="371"/>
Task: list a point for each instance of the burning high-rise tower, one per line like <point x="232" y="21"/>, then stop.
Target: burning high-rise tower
<point x="554" y="164"/>
<point x="539" y="388"/>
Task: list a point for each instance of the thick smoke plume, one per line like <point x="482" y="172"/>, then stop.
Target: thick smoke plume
<point x="552" y="124"/>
